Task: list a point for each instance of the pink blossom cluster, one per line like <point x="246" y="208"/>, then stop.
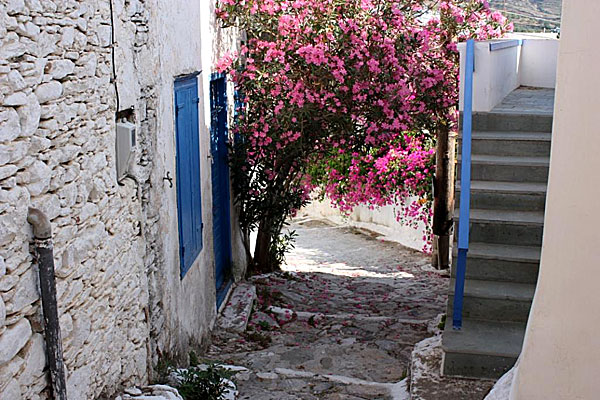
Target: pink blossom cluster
<point x="346" y="95"/>
<point x="389" y="177"/>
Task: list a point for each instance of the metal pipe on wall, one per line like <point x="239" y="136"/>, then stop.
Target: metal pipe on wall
<point x="44" y="254"/>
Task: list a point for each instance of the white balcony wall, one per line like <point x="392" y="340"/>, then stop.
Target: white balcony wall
<point x="538" y="63"/>
<point x="500" y="71"/>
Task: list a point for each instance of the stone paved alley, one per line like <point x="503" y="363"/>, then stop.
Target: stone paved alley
<point x="348" y="310"/>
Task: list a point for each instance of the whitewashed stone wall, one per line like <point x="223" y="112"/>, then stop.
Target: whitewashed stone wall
<point x="188" y="41"/>
<point x="57" y="108"/>
<point x="121" y="301"/>
<point x="158" y="41"/>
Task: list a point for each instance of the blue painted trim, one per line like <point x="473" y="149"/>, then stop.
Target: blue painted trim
<point x="221" y="294"/>
<point x="188" y="183"/>
<point x="459" y="289"/>
<point x="218" y="75"/>
<point x="465" y="183"/>
<point x="465" y="177"/>
<point x="505" y="44"/>
<point x="220" y="185"/>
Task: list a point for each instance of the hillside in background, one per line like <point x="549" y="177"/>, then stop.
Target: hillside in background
<point x="531" y="15"/>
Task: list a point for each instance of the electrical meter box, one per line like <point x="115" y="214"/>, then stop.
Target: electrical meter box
<point x="125" y="146"/>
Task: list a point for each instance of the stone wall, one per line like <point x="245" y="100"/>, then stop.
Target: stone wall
<point x="57" y="154"/>
<point x="121" y="300"/>
<point x="188" y="42"/>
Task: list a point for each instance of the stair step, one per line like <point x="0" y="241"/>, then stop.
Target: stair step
<point x="519" y="196"/>
<point x="509" y="172"/>
<point x="494" y="262"/>
<point x="494" y="300"/>
<point x="521" y="228"/>
<point x="508" y="168"/>
<point x="512" y="135"/>
<point x="482" y="349"/>
<point x="510" y="143"/>
<point x="508" y="216"/>
<point x="508" y="187"/>
<point x="513" y="122"/>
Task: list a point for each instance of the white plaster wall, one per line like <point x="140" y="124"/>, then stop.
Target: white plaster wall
<point x="381" y="220"/>
<point x="188" y="303"/>
<point x="496" y="75"/>
<point x="561" y="351"/>
<point x="190" y="42"/>
<point x="499" y="72"/>
<point x="538" y="63"/>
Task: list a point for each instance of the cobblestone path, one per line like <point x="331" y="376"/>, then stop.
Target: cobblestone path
<point x="339" y="323"/>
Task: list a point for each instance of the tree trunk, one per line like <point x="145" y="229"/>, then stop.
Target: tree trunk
<point x="434" y="252"/>
<point x="262" y="259"/>
<point x="443" y="204"/>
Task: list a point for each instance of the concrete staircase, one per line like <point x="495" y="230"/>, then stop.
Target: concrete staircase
<point x="510" y="161"/>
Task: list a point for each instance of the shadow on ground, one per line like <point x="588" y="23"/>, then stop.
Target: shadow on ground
<point x="339" y="322"/>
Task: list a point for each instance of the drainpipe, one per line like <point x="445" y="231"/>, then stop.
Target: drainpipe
<point x="44" y="253"/>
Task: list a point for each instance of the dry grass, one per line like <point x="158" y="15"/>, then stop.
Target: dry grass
<point x="531" y="15"/>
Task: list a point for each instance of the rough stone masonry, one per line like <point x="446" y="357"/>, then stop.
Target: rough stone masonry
<point x="57" y="112"/>
<point x="68" y="68"/>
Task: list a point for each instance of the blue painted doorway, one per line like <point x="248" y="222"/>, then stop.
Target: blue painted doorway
<point x="189" y="202"/>
<point x="220" y="185"/>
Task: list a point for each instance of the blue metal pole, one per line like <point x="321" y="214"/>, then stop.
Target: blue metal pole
<point x="465" y="185"/>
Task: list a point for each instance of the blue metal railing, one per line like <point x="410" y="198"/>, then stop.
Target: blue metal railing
<point x="465" y="187"/>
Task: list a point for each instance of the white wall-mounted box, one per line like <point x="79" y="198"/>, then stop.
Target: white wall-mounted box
<point x="125" y="142"/>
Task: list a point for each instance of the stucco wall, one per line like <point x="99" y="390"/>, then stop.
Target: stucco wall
<point x="121" y="300"/>
<point x="538" y="63"/>
<point x="499" y="72"/>
<point x="496" y="75"/>
<point x="561" y="352"/>
<point x="189" y="42"/>
<point x="381" y="220"/>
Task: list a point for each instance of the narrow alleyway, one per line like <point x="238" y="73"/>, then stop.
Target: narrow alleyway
<point x="348" y="310"/>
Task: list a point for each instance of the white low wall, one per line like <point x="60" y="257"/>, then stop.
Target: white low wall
<point x="538" y="63"/>
<point x="500" y="71"/>
<point x="381" y="220"/>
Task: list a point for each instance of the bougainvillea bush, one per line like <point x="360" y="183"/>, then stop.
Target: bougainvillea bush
<point x="343" y="96"/>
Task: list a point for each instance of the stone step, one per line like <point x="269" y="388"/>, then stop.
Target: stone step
<point x="481" y="349"/>
<point x="496" y="262"/>
<point x="512" y="122"/>
<point x="518" y="196"/>
<point x="507" y="168"/>
<point x="510" y="143"/>
<point x="237" y="310"/>
<point x="521" y="228"/>
<point x="494" y="300"/>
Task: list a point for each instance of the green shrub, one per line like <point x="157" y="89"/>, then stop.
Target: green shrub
<point x="210" y="383"/>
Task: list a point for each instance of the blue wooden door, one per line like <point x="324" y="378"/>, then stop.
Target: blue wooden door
<point x="189" y="203"/>
<point x="220" y="186"/>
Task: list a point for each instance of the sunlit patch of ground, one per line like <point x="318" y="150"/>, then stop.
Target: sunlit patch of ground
<point x="346" y="306"/>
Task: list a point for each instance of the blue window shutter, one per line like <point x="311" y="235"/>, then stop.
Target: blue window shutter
<point x="189" y="200"/>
